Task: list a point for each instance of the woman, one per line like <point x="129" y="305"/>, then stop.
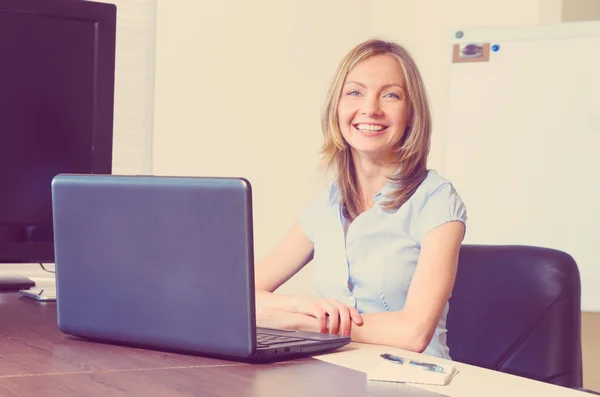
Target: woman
<point x="384" y="240"/>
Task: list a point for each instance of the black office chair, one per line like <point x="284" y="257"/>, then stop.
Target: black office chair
<point x="517" y="309"/>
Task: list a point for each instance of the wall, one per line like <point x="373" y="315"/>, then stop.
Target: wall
<point x="239" y="89"/>
<point x="134" y="81"/>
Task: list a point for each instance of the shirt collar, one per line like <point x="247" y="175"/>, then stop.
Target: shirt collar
<point x="389" y="187"/>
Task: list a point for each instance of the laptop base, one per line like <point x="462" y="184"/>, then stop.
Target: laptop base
<point x="264" y="356"/>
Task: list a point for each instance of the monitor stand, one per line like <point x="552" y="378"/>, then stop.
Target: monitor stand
<point x="15" y="283"/>
<point x="13" y="235"/>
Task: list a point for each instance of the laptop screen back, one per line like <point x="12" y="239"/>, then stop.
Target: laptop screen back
<point x="159" y="261"/>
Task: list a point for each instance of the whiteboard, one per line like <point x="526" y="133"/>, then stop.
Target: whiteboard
<point x="523" y="140"/>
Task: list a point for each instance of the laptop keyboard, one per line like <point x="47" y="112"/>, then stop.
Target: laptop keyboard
<point x="264" y="340"/>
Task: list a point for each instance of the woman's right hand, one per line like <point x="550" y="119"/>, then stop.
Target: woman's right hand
<point x="332" y="316"/>
<point x="283" y="319"/>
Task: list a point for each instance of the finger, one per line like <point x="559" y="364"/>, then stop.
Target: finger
<point x="356" y="317"/>
<point x="334" y="317"/>
<point x="321" y="317"/>
<point x="344" y="317"/>
<point x="345" y="321"/>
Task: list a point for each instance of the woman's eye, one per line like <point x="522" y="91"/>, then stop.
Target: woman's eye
<point x="353" y="93"/>
<point x="392" y="95"/>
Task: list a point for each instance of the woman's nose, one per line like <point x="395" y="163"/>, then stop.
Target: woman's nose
<point x="371" y="107"/>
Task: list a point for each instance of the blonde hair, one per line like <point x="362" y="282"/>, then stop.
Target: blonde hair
<point x="413" y="148"/>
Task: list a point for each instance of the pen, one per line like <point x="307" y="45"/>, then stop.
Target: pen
<point x="400" y="360"/>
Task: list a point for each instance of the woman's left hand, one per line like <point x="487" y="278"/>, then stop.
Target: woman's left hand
<point x="333" y="316"/>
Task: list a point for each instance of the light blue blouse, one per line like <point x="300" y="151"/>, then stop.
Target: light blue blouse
<point x="371" y="267"/>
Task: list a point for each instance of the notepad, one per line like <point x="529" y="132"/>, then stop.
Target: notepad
<point x="390" y="372"/>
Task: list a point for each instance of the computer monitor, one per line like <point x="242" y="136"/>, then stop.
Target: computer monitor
<point x="57" y="68"/>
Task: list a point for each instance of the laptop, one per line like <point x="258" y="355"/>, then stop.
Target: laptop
<point x="164" y="263"/>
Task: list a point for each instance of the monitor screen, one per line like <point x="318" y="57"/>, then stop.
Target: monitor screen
<point x="56" y="100"/>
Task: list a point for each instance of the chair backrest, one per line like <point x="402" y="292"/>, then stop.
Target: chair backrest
<point x="517" y="309"/>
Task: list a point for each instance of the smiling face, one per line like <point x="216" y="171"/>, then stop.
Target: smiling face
<point x="373" y="108"/>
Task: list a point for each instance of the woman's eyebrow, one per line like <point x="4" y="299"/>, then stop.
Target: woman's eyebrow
<point x="355" y="83"/>
<point x="384" y="86"/>
<point x="393" y="85"/>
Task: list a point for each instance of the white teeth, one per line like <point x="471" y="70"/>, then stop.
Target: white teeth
<point x="369" y="127"/>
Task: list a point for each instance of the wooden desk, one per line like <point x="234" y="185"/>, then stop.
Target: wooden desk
<point x="36" y="359"/>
